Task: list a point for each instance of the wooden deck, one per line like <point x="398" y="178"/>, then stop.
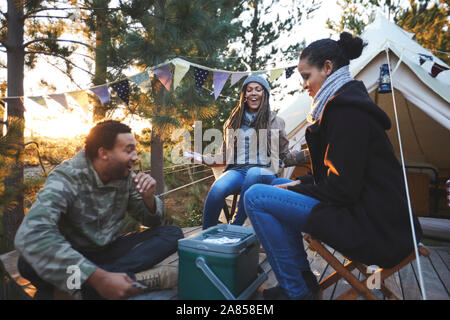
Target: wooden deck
<point x="404" y="284"/>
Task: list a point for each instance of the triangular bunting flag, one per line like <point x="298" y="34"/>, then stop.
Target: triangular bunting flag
<point x="289" y="72"/>
<point x="219" y="81"/>
<point x="81" y="98"/>
<point x="39" y="100"/>
<point x="200" y="77"/>
<point x="142" y="80"/>
<point x="123" y="90"/>
<point x="102" y="93"/>
<point x="181" y="68"/>
<point x="436" y="69"/>
<point x="61" y="99"/>
<point x="275" y="74"/>
<point x="235" y="77"/>
<point x="424" y="57"/>
<point x="164" y="75"/>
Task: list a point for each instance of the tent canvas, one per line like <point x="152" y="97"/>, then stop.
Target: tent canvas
<point x="423" y="101"/>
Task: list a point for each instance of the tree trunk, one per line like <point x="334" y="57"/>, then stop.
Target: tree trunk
<point x="255" y="35"/>
<point x="14" y="210"/>
<point x="157" y="161"/>
<point x="102" y="38"/>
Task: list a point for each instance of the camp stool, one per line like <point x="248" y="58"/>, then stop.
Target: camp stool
<point x="359" y="288"/>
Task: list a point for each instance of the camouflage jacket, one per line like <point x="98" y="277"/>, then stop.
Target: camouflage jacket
<point x="75" y="212"/>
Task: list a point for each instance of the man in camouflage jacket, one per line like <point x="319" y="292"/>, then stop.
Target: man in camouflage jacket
<point x="76" y="219"/>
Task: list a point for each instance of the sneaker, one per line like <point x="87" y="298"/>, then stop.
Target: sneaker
<point x="275" y="293"/>
<point x="278" y="293"/>
<point x="159" y="278"/>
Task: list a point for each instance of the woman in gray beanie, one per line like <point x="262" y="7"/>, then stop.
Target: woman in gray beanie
<point x="253" y="160"/>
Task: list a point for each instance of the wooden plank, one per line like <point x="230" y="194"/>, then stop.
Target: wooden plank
<point x="433" y="286"/>
<point x="440" y="268"/>
<point x="410" y="286"/>
<point x="444" y="253"/>
<point x="393" y="284"/>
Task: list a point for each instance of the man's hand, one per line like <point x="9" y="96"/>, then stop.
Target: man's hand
<point x="289" y="184"/>
<point x="113" y="286"/>
<point x="145" y="185"/>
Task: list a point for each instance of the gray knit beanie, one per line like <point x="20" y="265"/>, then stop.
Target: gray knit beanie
<point x="257" y="79"/>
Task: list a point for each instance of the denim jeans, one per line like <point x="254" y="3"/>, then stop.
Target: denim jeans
<point x="276" y="181"/>
<point x="232" y="181"/>
<point x="278" y="215"/>
<point x="130" y="253"/>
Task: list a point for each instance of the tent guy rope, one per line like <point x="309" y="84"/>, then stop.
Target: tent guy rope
<point x="416" y="250"/>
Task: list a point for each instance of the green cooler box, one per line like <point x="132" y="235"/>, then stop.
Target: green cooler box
<point x="220" y="263"/>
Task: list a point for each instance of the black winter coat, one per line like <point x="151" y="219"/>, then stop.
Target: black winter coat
<point x="363" y="211"/>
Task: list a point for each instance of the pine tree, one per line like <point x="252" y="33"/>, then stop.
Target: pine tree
<point x="259" y="44"/>
<point x="160" y="30"/>
<point x="101" y="24"/>
<point x="427" y="19"/>
<point x="28" y="30"/>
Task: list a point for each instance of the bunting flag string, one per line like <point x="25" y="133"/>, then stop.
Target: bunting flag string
<point x="162" y="72"/>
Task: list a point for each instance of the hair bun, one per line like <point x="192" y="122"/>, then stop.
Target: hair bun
<point x="351" y="46"/>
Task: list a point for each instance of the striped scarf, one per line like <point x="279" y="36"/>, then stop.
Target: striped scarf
<point x="332" y="84"/>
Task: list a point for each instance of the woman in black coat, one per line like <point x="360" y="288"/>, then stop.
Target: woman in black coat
<point x="355" y="201"/>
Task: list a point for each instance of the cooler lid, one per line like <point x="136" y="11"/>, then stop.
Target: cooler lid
<point x="222" y="238"/>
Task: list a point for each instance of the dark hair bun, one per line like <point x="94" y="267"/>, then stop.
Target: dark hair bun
<point x="351" y="46"/>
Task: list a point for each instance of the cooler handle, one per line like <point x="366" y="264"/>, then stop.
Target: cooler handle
<point x="201" y="264"/>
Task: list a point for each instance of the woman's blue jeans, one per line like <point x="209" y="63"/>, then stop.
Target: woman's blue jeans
<point x="278" y="215"/>
<point x="231" y="182"/>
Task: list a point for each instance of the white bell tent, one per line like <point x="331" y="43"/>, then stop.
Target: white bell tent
<point x="423" y="101"/>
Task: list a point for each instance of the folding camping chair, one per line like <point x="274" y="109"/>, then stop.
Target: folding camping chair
<point x="230" y="213"/>
<point x="359" y="288"/>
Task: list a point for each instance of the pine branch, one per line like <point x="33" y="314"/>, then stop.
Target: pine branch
<point x="26" y="44"/>
<point x="67" y="74"/>
<point x="61" y="57"/>
<point x="51" y="17"/>
<point x="29" y="14"/>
